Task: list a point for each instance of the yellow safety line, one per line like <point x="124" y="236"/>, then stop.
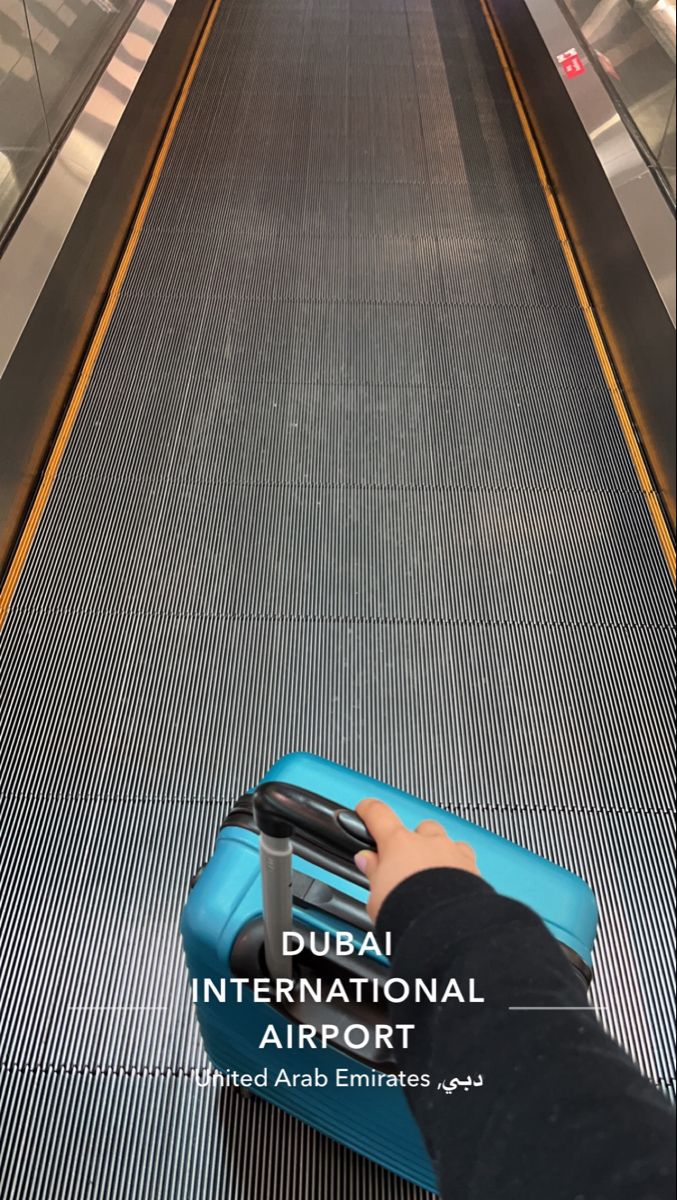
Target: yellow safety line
<point x="634" y="446"/>
<point x="73" y="406"/>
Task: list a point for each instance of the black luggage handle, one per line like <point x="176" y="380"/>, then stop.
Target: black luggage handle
<point x="282" y="808"/>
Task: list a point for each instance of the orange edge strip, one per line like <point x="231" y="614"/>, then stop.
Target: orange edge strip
<point x="73" y="405"/>
<point x="625" y="420"/>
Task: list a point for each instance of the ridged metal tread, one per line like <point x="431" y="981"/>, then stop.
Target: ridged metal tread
<point x="445" y="555"/>
<point x="225" y="208"/>
<point x="388" y="268"/>
<point x="346" y="478"/>
<point x="346" y="435"/>
<point x="511" y="714"/>
<point x="158" y="1136"/>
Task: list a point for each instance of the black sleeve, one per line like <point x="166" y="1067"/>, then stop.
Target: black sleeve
<point x="561" y="1111"/>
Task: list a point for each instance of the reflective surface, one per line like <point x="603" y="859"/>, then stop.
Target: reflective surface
<point x="32" y="250"/>
<point x="633" y="42"/>
<point x="23" y="131"/>
<point x="640" y="194"/>
<point x="49" y="53"/>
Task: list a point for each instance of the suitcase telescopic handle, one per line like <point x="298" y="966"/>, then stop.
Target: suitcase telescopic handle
<point x="281" y="810"/>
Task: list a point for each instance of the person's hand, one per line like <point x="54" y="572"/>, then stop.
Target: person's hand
<point x="401" y="852"/>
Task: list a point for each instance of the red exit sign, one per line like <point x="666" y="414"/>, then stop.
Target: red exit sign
<point x="571" y="63"/>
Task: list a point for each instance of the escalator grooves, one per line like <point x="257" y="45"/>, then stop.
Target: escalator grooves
<point x="315" y="499"/>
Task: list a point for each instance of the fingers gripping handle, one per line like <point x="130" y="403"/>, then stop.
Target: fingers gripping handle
<point x="280" y="810"/>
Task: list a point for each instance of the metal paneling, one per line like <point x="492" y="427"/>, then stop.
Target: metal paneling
<point x="59" y="261"/>
<point x="634" y="43"/>
<point x="618" y="217"/>
<point x="24" y="138"/>
<point x="70" y="43"/>
<point x="31" y="253"/>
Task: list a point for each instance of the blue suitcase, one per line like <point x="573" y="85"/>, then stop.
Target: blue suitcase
<point x="300" y="816"/>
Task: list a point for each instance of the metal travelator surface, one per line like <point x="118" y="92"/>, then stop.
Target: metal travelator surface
<point x="346" y="478"/>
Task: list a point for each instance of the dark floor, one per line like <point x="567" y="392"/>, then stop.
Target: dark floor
<point x="346" y="479"/>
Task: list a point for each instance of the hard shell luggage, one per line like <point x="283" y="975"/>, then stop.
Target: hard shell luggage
<point x="286" y="851"/>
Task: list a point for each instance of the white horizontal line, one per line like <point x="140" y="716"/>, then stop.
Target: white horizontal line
<point x="557" y="1008"/>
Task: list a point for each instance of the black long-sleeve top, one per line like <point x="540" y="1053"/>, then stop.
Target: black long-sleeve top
<point x="562" y="1113"/>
